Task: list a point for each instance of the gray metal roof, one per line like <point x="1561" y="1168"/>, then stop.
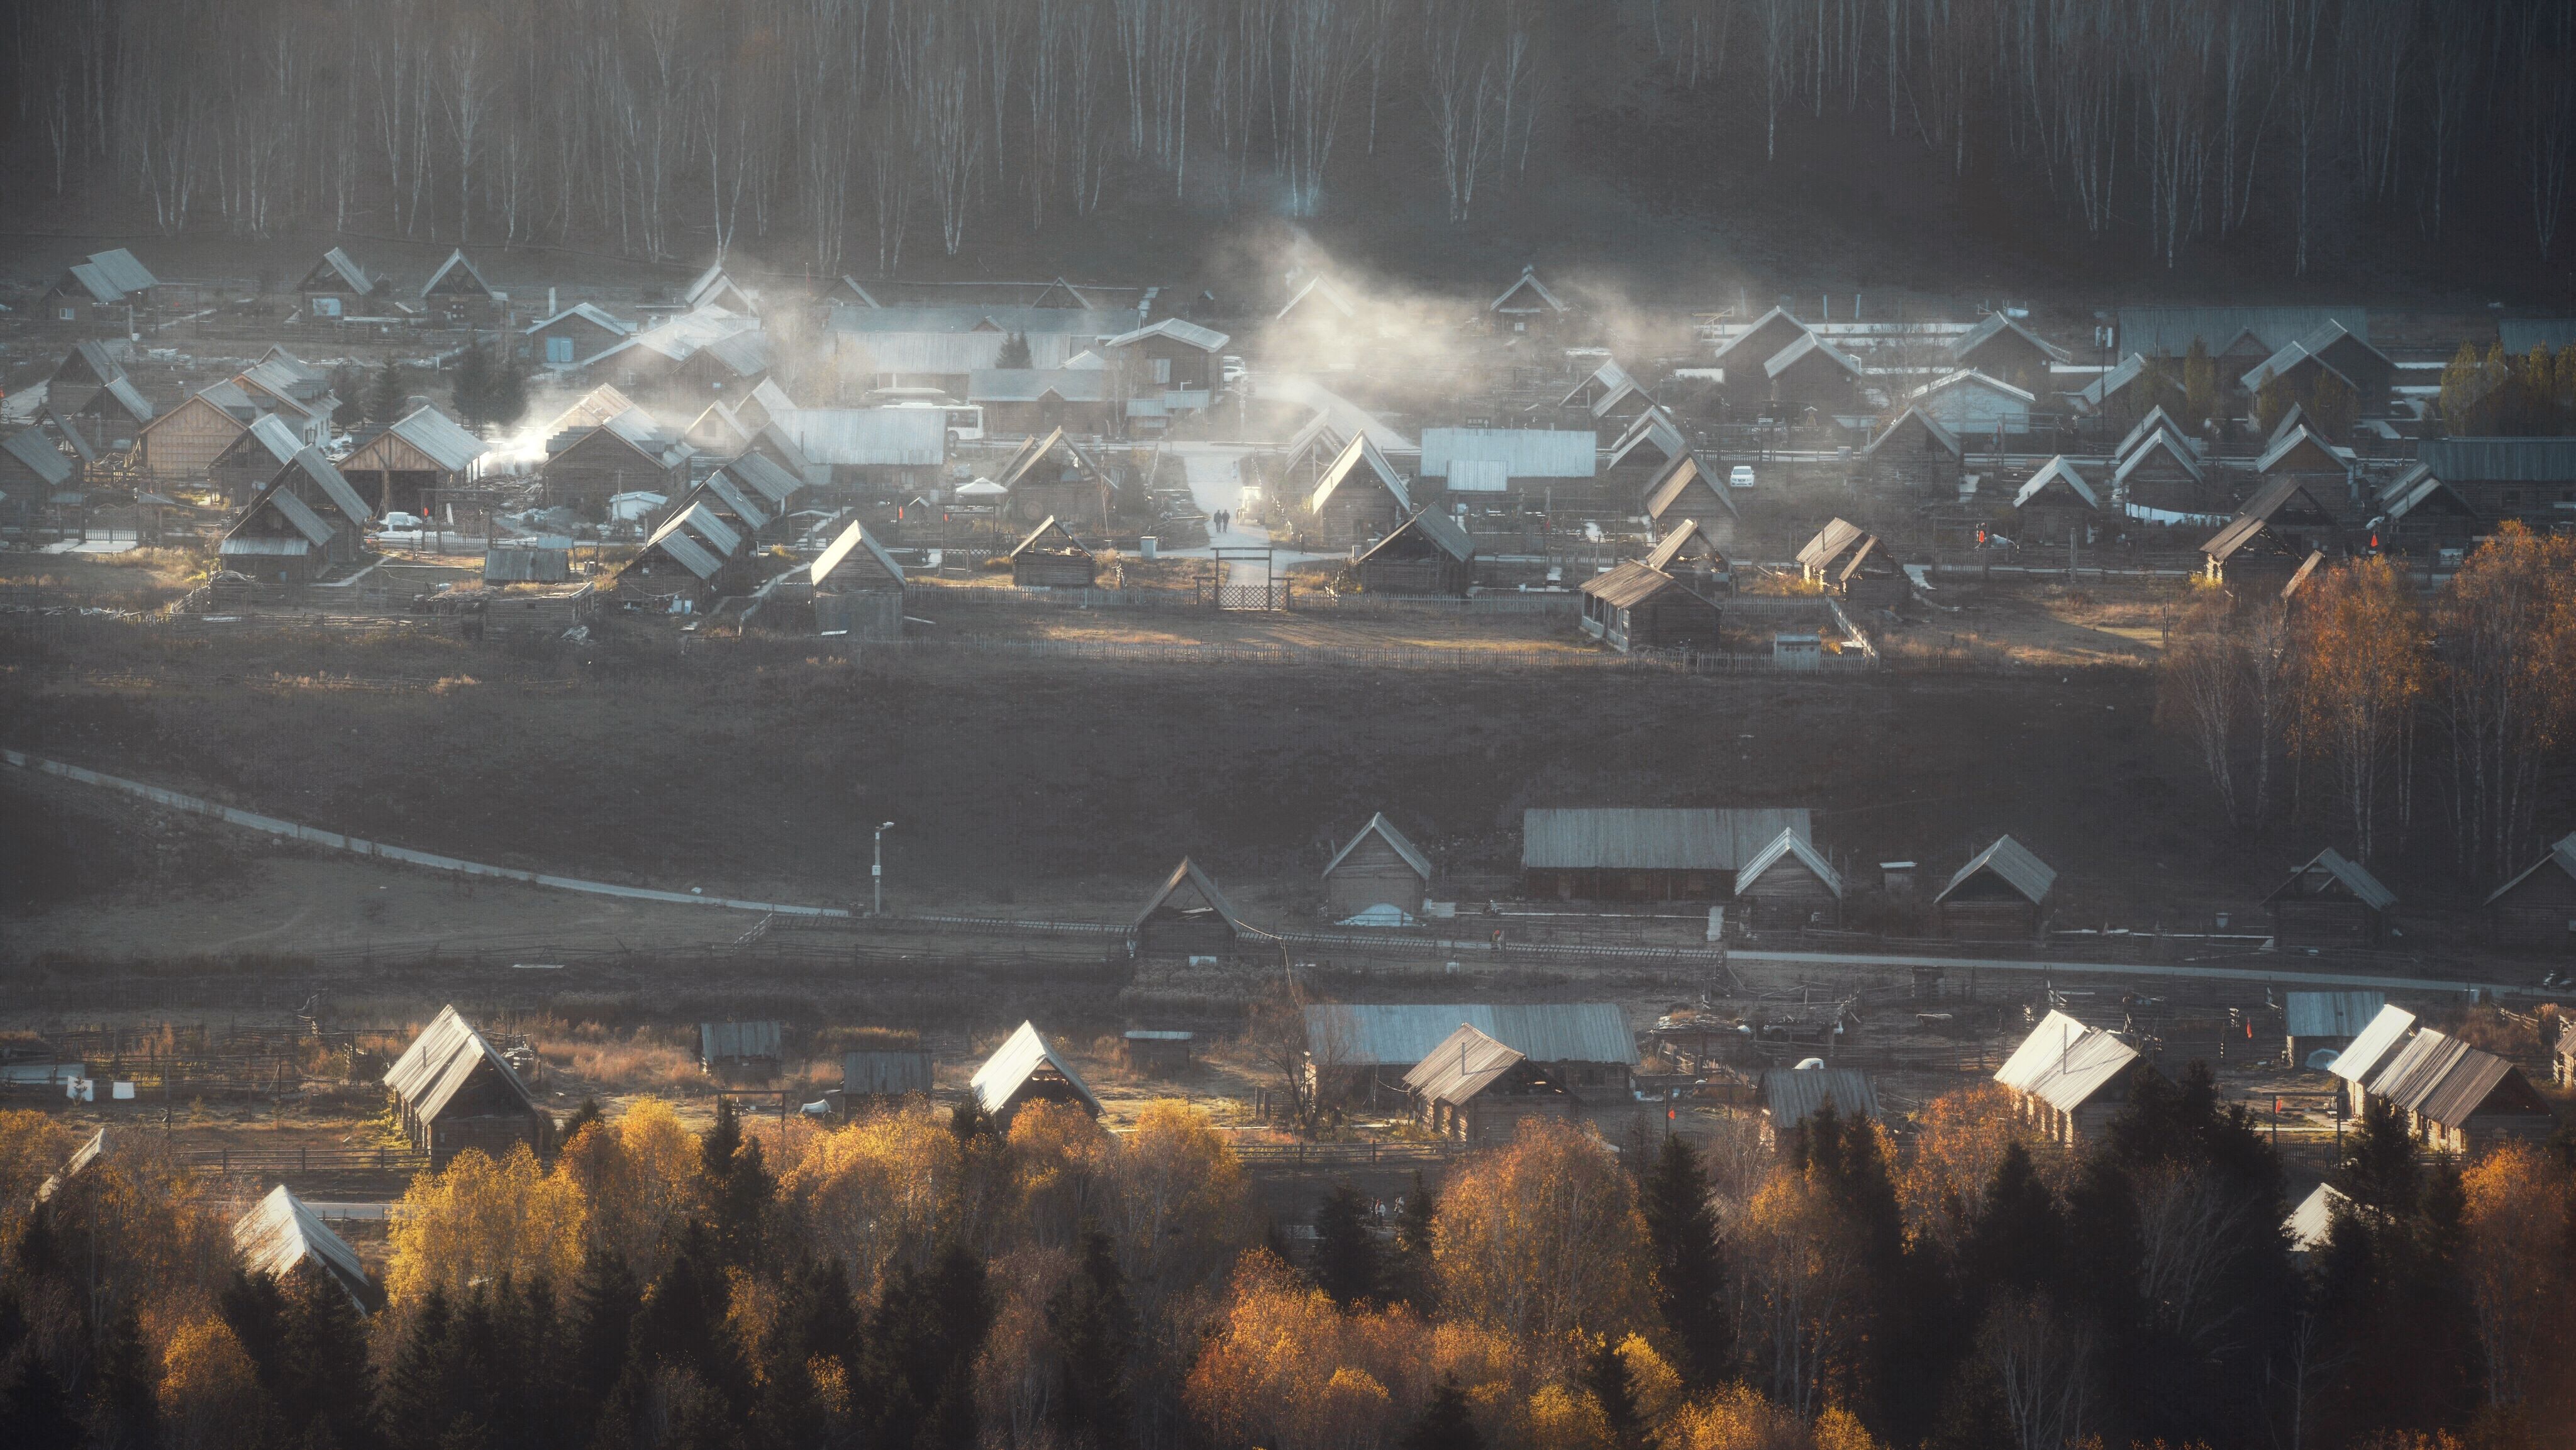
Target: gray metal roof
<point x="870" y="437"/>
<point x="1024" y="1056"/>
<point x="2171" y="329"/>
<point x="2157" y="420"/>
<point x="2521" y="334"/>
<point x="2444" y="1079"/>
<point x="297" y="512"/>
<point x="1940" y="434"/>
<point x="2501" y="460"/>
<point x="2012" y="863"/>
<point x="1679" y="541"/>
<point x="1523" y="452"/>
<point x="853" y="540"/>
<point x="2327" y="875"/>
<point x="31" y="447"/>
<point x="718" y="1040"/>
<point x="2162" y="442"/>
<point x="1620" y="839"/>
<point x="82" y="1157"/>
<point x="1653" y="427"/>
<point x="1971" y="378"/>
<point x="526" y="566"/>
<point x="1793" y="1095"/>
<point x="886" y="1072"/>
<point x="1461" y="1065"/>
<point x="1434" y="525"/>
<point x="1031" y="322"/>
<point x="1609" y="378"/>
<point x="443" y="439"/>
<point x="2291" y="442"/>
<point x="1362" y="452"/>
<point x="456" y="262"/>
<point x="2055" y="470"/>
<point x="338" y="266"/>
<point x="1189" y="872"/>
<point x="1379" y="826"/>
<point x="2309" y="1224"/>
<point x="1995" y="325"/>
<point x="447" y="1054"/>
<point x="2331" y="1014"/>
<point x="124" y="271"/>
<point x="1205" y="339"/>
<point x="2376" y="1040"/>
<point x="1805" y="343"/>
<point x="2064" y="1063"/>
<point x="2561" y="855"/>
<point x="1677" y="479"/>
<point x="1528" y="282"/>
<point x="764" y="477"/>
<point x="1829" y="543"/>
<point x="1346" y="1034"/>
<point x="1789" y="845"/>
<point x="326" y="476"/>
<point x="2099" y="391"/>
<point x="281" y="1235"/>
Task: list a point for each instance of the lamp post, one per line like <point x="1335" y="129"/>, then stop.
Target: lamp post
<point x="876" y="869"/>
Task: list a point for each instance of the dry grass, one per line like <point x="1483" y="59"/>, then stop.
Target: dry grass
<point x="641" y="1059"/>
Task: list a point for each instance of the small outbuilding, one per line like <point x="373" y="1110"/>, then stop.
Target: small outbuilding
<point x="1789" y="883"/>
<point x="2070" y="1080"/>
<point x="2326" y="1021"/>
<point x="2000" y="895"/>
<point x="2057" y="506"/>
<point x="1170" y="928"/>
<point x="1053" y="477"/>
<point x="1635" y="606"/>
<point x="1647" y="854"/>
<point x="1793" y="1095"/>
<point x="2002" y="348"/>
<point x="1822" y="557"/>
<point x="1686" y="493"/>
<point x="1585" y="1046"/>
<point x="1052" y="558"/>
<point x="1973" y="405"/>
<point x="2538" y="907"/>
<point x="280" y="1237"/>
<point x="739" y="1050"/>
<point x="2330" y="902"/>
<point x="1155" y="1052"/>
<point x="1688" y="554"/>
<point x="2370" y="1050"/>
<point x="452" y="1091"/>
<point x="1360" y="497"/>
<point x="337" y="287"/>
<point x="2456" y="1098"/>
<point x="1426" y="555"/>
<point x="1379" y="867"/>
<point x="409" y="466"/>
<point x="1027" y="1069"/>
<point x="885" y="1072"/>
<point x="1473" y="1089"/>
<point x="1917" y="448"/>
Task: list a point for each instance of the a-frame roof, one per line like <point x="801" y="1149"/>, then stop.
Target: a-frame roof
<point x="1384" y="829"/>
<point x="1188" y="873"/>
<point x="1678" y="542"/>
<point x="1629" y="583"/>
<point x="1360" y="453"/>
<point x="2562" y="856"/>
<point x="2061" y="473"/>
<point x="1764" y="339"/>
<point x="1324" y="288"/>
<point x="281" y="1235"/>
<point x="2065" y="1063"/>
<point x="1805" y="343"/>
<point x="1533" y="294"/>
<point x="1965" y="378"/>
<point x="454" y="276"/>
<point x="1948" y="441"/>
<point x="310" y="463"/>
<point x="855" y="542"/>
<point x="2156" y="420"/>
<point x="1677" y="479"/>
<point x="1029" y="454"/>
<point x="1063" y="540"/>
<point x="1464" y="1064"/>
<point x="2010" y="862"/>
<point x="1997" y="324"/>
<point x="1786" y="846"/>
<point x="1431" y="524"/>
<point x="2162" y="443"/>
<point x="1605" y="381"/>
<point x="2304" y="449"/>
<point x="337" y="271"/>
<point x="447" y="1054"/>
<point x="31" y="447"/>
<point x="1829" y="543"/>
<point x="1653" y="427"/>
<point x="1022" y="1056"/>
<point x="2329" y="874"/>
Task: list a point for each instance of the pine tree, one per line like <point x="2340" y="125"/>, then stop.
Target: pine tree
<point x="324" y="1374"/>
<point x="1346" y="1259"/>
<point x="254" y="1309"/>
<point x="1690" y="1277"/>
<point x="470" y="396"/>
<point x="33" y="1408"/>
<point x="1605" y="1376"/>
<point x="917" y="1370"/>
<point x="123" y="1412"/>
<point x="737" y="1186"/>
<point x="582" y="1117"/>
<point x="682" y="1320"/>
<point x="2381" y="1171"/>
<point x="1410" y="1275"/>
<point x="967" y="1122"/>
<point x="509" y="392"/>
<point x="1097" y="1329"/>
<point x="1444" y="1423"/>
<point x="385" y="400"/>
<point x="605" y="1300"/>
<point x="2017" y="1240"/>
<point x="1014" y="352"/>
<point x="2199" y="387"/>
<point x="349" y="387"/>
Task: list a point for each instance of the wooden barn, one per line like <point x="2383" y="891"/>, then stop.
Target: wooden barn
<point x="2316" y="1022"/>
<point x="1358" y="1049"/>
<point x="740" y="1051"/>
<point x="1917" y="449"/>
<point x="1765" y="338"/>
<point x="1686" y="491"/>
<point x="2160" y="479"/>
<point x="1813" y="373"/>
<point x="2370" y="1050"/>
<point x="858" y="587"/>
<point x="452" y="1091"/>
<point x="105" y="288"/>
<point x="2422" y="517"/>
<point x="410" y="466"/>
<point x="1473" y="1089"/>
<point x="337" y="287"/>
<point x="1687" y="554"/>
<point x="1653" y="854"/>
<point x="1169" y="928"/>
<point x="2000" y="895"/>
<point x="457" y="294"/>
<point x="1823" y="557"/>
<point x="625" y="454"/>
<point x="1528" y="308"/>
<point x="2056" y="506"/>
<point x="1634" y="607"/>
<point x="886" y="1072"/>
<point x="1359" y="499"/>
<point x="1026" y="1068"/>
<point x="33" y="470"/>
<point x="1872" y="577"/>
<point x="2455" y="1098"/>
<point x="1155" y="1052"/>
<point x="1051" y="477"/>
<point x="575" y="336"/>
<point x="1052" y="558"/>
<point x="2538" y="907"/>
<point x="2267" y="541"/>
<point x="692" y="554"/>
<point x="177" y="446"/>
<point x="2069" y="1080"/>
<point x="2002" y="348"/>
<point x="1427" y="554"/>
<point x="306" y="523"/>
<point x="2330" y="902"/>
<point x="1973" y="406"/>
<point x="248" y="462"/>
<point x="281" y="1237"/>
<point x="1790" y="884"/>
<point x="1380" y="867"/>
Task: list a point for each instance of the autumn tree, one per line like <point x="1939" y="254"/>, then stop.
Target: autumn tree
<point x="479" y="1220"/>
<point x="1542" y="1237"/>
<point x="1346" y="1257"/>
<point x="1689" y="1273"/>
<point x="2504" y="686"/>
<point x="2365" y="668"/>
<point x="2521" y="1260"/>
<point x="210" y="1396"/>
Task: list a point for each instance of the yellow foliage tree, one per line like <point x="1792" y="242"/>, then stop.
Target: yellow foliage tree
<point x="2519" y="1208"/>
<point x="876" y="1193"/>
<point x="1735" y="1418"/>
<point x="210" y="1396"/>
<point x="1960" y="1139"/>
<point x="2507" y="685"/>
<point x="1567" y="1419"/>
<point x="2364" y="667"/>
<point x="1802" y="1285"/>
<point x="32" y="1146"/>
<point x="1175" y="1205"/>
<point x="639" y="1175"/>
<point x="1059" y="1161"/>
<point x="478" y="1219"/>
<point x="1542" y="1239"/>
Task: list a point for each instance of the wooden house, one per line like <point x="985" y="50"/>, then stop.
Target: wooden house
<point x="177" y="446"/>
<point x="248" y="462"/>
<point x="1655" y="854"/>
<point x="2121" y="393"/>
<point x="1052" y="558"/>
<point x="1823" y="557"/>
<point x="1026" y="1068"/>
<point x="1634" y="607"/>
<point x="2160" y="479"/>
<point x="452" y="1091"/>
<point x="1792" y="1096"/>
<point x="2001" y="348"/>
<point x="1484" y="464"/>
<point x="2300" y="454"/>
<point x="886" y="1072"/>
<point x="1164" y="370"/>
<point x="2422" y="517"/>
<point x="858" y="587"/>
<point x="2371" y="1049"/>
<point x="2001" y="894"/>
<point x="337" y="287"/>
<point x="1646" y="450"/>
<point x="743" y="510"/>
<point x="307" y="522"/>
<point x="1359" y="499"/>
<point x="110" y="420"/>
<point x="2267" y="541"/>
<point x="1789" y="883"/>
<point x="2331" y="351"/>
<point x="575" y="336"/>
<point x="1036" y="401"/>
<point x="1361" y="1049"/>
<point x="1169" y="928"/>
<point x="1153" y="1052"/>
<point x="1427" y="554"/>
<point x="1527" y="308"/>
<point x="412" y="465"/>
<point x="86" y="366"/>
<point x="1686" y="493"/>
<point x="740" y="1051"/>
<point x="2530" y="479"/>
<point x="2056" y="506"/>
<point x="2537" y="908"/>
<point x="33" y="470"/>
<point x="760" y="477"/>
<point x="1473" y="1089"/>
<point x="1812" y="373"/>
<point x="2455" y="1098"/>
<point x="1765" y="338"/>
<point x="716" y="288"/>
<point x="105" y="288"/>
<point x="1917" y="449"/>
<point x="1872" y="577"/>
<point x="457" y="295"/>
<point x="1972" y="405"/>
<point x="1052" y="477"/>
<point x="693" y="554"/>
<point x="2241" y="336"/>
<point x="1596" y="389"/>
<point x="2069" y="1080"/>
<point x="282" y="1237"/>
<point x="1687" y="554"/>
<point x="2315" y="1022"/>
<point x="1380" y="867"/>
<point x="626" y="454"/>
<point x="2330" y="902"/>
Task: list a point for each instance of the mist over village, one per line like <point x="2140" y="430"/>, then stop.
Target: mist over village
<point x="1288" y="725"/>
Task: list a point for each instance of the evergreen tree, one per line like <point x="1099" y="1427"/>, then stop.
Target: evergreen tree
<point x="324" y="1376"/>
<point x="682" y="1320"/>
<point x="349" y="387"/>
<point x="1346" y="1259"/>
<point x="967" y="1122"/>
<point x="737" y="1186"/>
<point x="917" y="1368"/>
<point x="470" y="396"/>
<point x="123" y="1414"/>
<point x="605" y="1300"/>
<point x="2017" y="1241"/>
<point x="1097" y="1329"/>
<point x="33" y="1408"/>
<point x="1014" y="352"/>
<point x="1690" y="1277"/>
<point x="815" y="1321"/>
<point x="2199" y="387"/>
<point x="385" y="399"/>
<point x="1605" y="1376"/>
<point x="422" y="1389"/>
<point x="2380" y="1170"/>
<point x="509" y="392"/>
<point x="254" y="1309"/>
<point x="1410" y="1275"/>
<point x="1444" y="1423"/>
<point x="582" y="1117"/>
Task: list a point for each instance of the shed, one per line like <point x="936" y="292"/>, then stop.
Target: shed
<point x="1379" y="867"/>
<point x="858" y="587"/>
<point x="739" y="1049"/>
<point x="1026" y="1069"/>
<point x="2003" y="349"/>
<point x="1427" y="554"/>
<point x="2456" y="1098"/>
<point x="2000" y="895"/>
<point x="457" y="290"/>
<point x="1649" y="446"/>
<point x="1687" y="553"/>
<point x="453" y="1092"/>
<point x="2069" y="1079"/>
<point x="2531" y="479"/>
<point x="1789" y="883"/>
<point x="1527" y="305"/>
<point x="2301" y="452"/>
<point x="1917" y="447"/>
<point x="1053" y="477"/>
<point x="2312" y="1222"/>
<point x="1792" y="1095"/>
<point x="1150" y="1052"/>
<point x="1653" y="854"/>
<point x="1586" y="1046"/>
<point x="1598" y="386"/>
<point x="252" y="458"/>
<point x="411" y="463"/>
<point x="1872" y="577"/>
<point x="2371" y="1048"/>
<point x="885" y="1072"/>
<point x="2330" y="902"/>
<point x="1743" y="355"/>
<point x="2160" y="479"/>
<point x="2326" y="1021"/>
<point x="505" y="564"/>
<point x="1052" y="558"/>
<point x="1361" y="497"/>
<point x="1473" y="1089"/>
<point x="1822" y="556"/>
<point x="280" y="1236"/>
<point x="1636" y="607"/>
<point x="1973" y="405"/>
<point x="1812" y="372"/>
<point x="1169" y="928"/>
<point x="2056" y="505"/>
<point x="2537" y="908"/>
<point x="1685" y="492"/>
<point x="693" y="553"/>
<point x="2423" y="517"/>
<point x="337" y="286"/>
<point x="2277" y="529"/>
<point x="32" y="467"/>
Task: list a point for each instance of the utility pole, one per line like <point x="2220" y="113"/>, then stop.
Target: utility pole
<point x="876" y="869"/>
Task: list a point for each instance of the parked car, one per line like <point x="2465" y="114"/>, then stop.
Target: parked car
<point x="1740" y="476"/>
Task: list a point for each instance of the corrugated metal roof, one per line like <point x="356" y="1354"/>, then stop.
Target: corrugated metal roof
<point x="2256" y="516"/>
<point x="1793" y="1095"/>
<point x="2328" y="875"/>
<point x="713" y="286"/>
<point x="2064" y="1063"/>
<point x="129" y="398"/>
<point x="2330" y="1014"/>
<point x="124" y="271"/>
<point x="885" y="1072"/>
<point x="240" y="546"/>
<point x="1754" y="330"/>
<point x="1024" y="1055"/>
<point x="1789" y="357"/>
<point x="2371" y="1047"/>
<point x="590" y="410"/>
<point x="2057" y="469"/>
<point x="870" y="437"/>
<point x="2562" y="855"/>
<point x="1829" y="543"/>
<point x="1995" y="325"/>
<point x="1362" y="453"/>
<point x="1434" y="525"/>
<point x="1528" y="282"/>
<point x="854" y="540"/>
<point x="442" y="1059"/>
<point x="2157" y="420"/>
<point x="765" y="478"/>
<point x="2159" y="444"/>
<point x="445" y="440"/>
<point x="1970" y="378"/>
<point x="1678" y="478"/>
<point x="1025" y="459"/>
<point x="2099" y="391"/>
<point x="1789" y="845"/>
<point x="748" y="505"/>
<point x="2291" y="442"/>
<point x="1654" y="428"/>
<point x="591" y="313"/>
<point x="1940" y="434"/>
<point x="2013" y="864"/>
<point x="270" y="433"/>
<point x="325" y="475"/>
<point x="2281" y="363"/>
<point x="1604" y="381"/>
<point x="338" y="266"/>
<point x="2312" y="1221"/>
<point x="720" y="1040"/>
<point x="1523" y="452"/>
<point x="281" y="1235"/>
<point x="1384" y="829"/>
<point x="456" y="263"/>
<point x="2420" y="489"/>
<point x="1205" y="339"/>
<point x="2501" y="460"/>
<point x="1189" y="872"/>
<point x="1461" y="1065"/>
<point x="1677" y="542"/>
<point x="526" y="566"/>
<point x="1629" y="583"/>
<point x="1028" y="385"/>
<point x="31" y="447"/>
<point x="2442" y="1078"/>
<point x="95" y="283"/>
<point x="1602" y="405"/>
<point x="1652" y="839"/>
<point x="1345" y="1034"/>
<point x="297" y="512"/>
<point x="2521" y="334"/>
<point x="89" y="1152"/>
<point x="2171" y="329"/>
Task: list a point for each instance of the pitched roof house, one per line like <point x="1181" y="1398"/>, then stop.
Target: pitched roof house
<point x="1026" y="1068"/>
<point x="2070" y="1079"/>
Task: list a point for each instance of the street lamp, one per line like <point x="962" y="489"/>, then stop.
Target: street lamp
<point x="876" y="869"/>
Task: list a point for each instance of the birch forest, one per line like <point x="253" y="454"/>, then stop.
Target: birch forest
<point x="837" y="134"/>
